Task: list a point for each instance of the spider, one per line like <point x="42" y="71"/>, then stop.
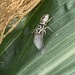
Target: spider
<point x="41" y="30"/>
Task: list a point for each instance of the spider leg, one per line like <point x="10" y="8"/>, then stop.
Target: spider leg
<point x="33" y="31"/>
<point x="49" y="19"/>
<point x="41" y="30"/>
<point x="48" y="28"/>
<point x="44" y="31"/>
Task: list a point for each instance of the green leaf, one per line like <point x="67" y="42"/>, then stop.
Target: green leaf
<point x="18" y="54"/>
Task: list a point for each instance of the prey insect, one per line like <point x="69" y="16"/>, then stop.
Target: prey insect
<point x="40" y="31"/>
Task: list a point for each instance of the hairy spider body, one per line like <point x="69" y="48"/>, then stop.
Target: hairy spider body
<point x="40" y="31"/>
